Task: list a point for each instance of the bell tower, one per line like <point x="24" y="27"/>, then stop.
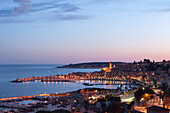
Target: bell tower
<point x="110" y="65"/>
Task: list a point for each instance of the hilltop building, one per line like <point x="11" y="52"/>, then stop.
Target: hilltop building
<point x="108" y="69"/>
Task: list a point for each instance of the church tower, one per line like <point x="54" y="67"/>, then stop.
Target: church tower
<point x="110" y="65"/>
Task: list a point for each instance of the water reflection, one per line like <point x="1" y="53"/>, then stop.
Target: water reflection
<point x="8" y="89"/>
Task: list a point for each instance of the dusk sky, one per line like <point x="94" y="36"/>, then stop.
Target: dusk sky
<point x="72" y="31"/>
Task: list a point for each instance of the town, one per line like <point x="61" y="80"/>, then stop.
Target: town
<point x="148" y="91"/>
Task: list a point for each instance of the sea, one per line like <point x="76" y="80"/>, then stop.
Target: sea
<point x="13" y="72"/>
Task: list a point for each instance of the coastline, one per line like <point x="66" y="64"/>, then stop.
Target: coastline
<point x="41" y="95"/>
<point x="12" y="72"/>
<point x="76" y="68"/>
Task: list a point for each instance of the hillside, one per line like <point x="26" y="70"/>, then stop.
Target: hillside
<point x="91" y="65"/>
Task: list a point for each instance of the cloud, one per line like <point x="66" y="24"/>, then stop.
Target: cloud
<point x="59" y="7"/>
<point x="9" y="21"/>
<point x="59" y="17"/>
<point x="22" y="1"/>
<point x="5" y="13"/>
<point x="72" y="17"/>
<point x="63" y="9"/>
<point x="24" y="7"/>
<point x="161" y="10"/>
<point x="106" y="0"/>
<point x="69" y="7"/>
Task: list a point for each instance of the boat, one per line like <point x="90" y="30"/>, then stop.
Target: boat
<point x="88" y="84"/>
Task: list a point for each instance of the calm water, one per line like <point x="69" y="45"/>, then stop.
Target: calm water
<point x="11" y="72"/>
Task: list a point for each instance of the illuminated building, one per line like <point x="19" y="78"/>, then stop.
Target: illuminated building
<point x="108" y="69"/>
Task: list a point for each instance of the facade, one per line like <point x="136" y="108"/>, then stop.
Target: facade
<point x="108" y="70"/>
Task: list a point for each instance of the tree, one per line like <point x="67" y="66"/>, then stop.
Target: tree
<point x="155" y="83"/>
<point x="107" y="97"/>
<point x="130" y="107"/>
<point x="86" y="104"/>
<point x="167" y="98"/>
<point x="114" y="107"/>
<point x="103" y="105"/>
<point x="144" y="95"/>
<point x="167" y="92"/>
<point x="115" y="99"/>
<point x="164" y="86"/>
<point x="164" y="61"/>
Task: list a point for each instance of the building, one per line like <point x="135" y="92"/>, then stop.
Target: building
<point x="108" y="70"/>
